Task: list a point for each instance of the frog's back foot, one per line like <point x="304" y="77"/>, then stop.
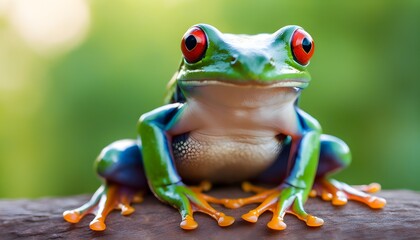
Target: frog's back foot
<point x="121" y="165"/>
<point x="121" y="162"/>
<point x="107" y="198"/>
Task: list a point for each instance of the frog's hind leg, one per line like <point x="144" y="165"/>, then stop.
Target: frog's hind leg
<point x="120" y="164"/>
<point x="334" y="156"/>
<point x="107" y="198"/>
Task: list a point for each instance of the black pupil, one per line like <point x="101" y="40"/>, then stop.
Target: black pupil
<point x="190" y="42"/>
<point x="307" y="45"/>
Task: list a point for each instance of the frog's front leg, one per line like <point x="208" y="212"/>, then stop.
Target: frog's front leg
<point x="121" y="166"/>
<point x="335" y="155"/>
<point x="291" y="194"/>
<point x="156" y="130"/>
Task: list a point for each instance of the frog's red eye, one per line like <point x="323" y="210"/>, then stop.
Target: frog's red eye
<point x="194" y="44"/>
<point x="302" y="46"/>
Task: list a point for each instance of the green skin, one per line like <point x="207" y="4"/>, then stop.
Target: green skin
<point x="231" y="116"/>
<point x="157" y="127"/>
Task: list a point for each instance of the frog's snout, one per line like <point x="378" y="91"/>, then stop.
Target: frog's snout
<point x="252" y="64"/>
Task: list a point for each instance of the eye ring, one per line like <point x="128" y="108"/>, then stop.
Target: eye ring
<point x="302" y="46"/>
<point x="194" y="44"/>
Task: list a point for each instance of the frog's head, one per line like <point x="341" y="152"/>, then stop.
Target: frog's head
<point x="269" y="60"/>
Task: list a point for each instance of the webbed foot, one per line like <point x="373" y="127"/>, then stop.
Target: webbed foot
<point x="106" y="198"/>
<point x="339" y="193"/>
<point x="189" y="200"/>
<point x="280" y="201"/>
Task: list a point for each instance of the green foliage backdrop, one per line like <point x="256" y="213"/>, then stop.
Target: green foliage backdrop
<point x="57" y="111"/>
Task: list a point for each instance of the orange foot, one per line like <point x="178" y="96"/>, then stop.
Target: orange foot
<point x="191" y="200"/>
<point x="105" y="199"/>
<point x="280" y="200"/>
<point x="339" y="193"/>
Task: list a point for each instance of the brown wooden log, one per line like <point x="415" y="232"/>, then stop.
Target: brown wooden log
<point x="42" y="219"/>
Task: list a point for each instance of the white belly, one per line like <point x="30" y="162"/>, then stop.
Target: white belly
<point x="222" y="159"/>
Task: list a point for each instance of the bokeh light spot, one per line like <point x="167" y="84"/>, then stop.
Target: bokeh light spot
<point x="50" y="26"/>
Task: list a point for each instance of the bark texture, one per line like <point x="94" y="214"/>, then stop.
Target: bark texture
<point x="42" y="219"/>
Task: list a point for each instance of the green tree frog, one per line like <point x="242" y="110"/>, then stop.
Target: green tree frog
<point x="231" y="115"/>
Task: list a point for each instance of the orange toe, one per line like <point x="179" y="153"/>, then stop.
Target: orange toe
<point x="326" y="196"/>
<point x="225" y="221"/>
<point x="339" y="201"/>
<point x="126" y="210"/>
<point x="72" y="216"/>
<point x="188" y="223"/>
<point x="97" y="225"/>
<point x="377" y="202"/>
<point x="313" y="221"/>
<point x="373" y="187"/>
<point x="313" y="193"/>
<point x="276" y="224"/>
<point x="250" y="217"/>
<point x="233" y="203"/>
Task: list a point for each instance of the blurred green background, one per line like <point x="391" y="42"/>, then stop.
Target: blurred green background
<point x="75" y="75"/>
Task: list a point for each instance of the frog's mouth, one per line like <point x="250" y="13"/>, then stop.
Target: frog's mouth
<point x="286" y="83"/>
<point x="242" y="94"/>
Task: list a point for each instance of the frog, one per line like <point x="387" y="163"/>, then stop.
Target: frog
<point x="231" y="115"/>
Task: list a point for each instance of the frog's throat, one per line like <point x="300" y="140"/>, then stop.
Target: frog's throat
<point x="286" y="83"/>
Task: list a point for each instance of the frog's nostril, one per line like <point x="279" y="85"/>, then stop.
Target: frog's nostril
<point x="233" y="60"/>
